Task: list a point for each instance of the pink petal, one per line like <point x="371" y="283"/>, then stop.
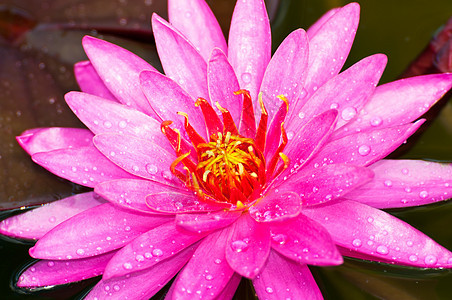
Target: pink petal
<point x="84" y="165"/>
<point x="35" y="223"/>
<point x="207" y="272"/>
<point x="304" y="241"/>
<point x="276" y="207"/>
<point x="204" y="222"/>
<point x="247" y="250"/>
<point x="90" y="82"/>
<point x="101" y="116"/>
<point x="399" y="102"/>
<point x="53" y="138"/>
<point x="347" y="92"/>
<point x="197" y="22"/>
<point x="329" y="46"/>
<point x="230" y="289"/>
<point x="312" y="30"/>
<point x="402" y="183"/>
<point x="95" y="231"/>
<point x="168" y="98"/>
<point x="286" y="72"/>
<point x="137" y="156"/>
<point x="327" y="183"/>
<point x="306" y="142"/>
<point x="364" y="148"/>
<point x="223" y="83"/>
<point x="48" y="272"/>
<point x="250" y="45"/>
<point x="174" y="202"/>
<point x="180" y="60"/>
<point x="284" y="279"/>
<point x="131" y="193"/>
<point x="149" y="249"/>
<point x="119" y="70"/>
<point x="144" y="284"/>
<point x="377" y="234"/>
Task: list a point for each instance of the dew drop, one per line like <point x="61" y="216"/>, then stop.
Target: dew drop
<point x="127" y="266"/>
<point x="357" y="243"/>
<point x="139" y="258"/>
<point x="239" y="246"/>
<point x="334" y="105"/>
<point x="269" y="290"/>
<point x="382" y="249"/>
<point x="209" y="277"/>
<point x="408" y="189"/>
<point x="405" y="171"/>
<point x="301" y="115"/>
<point x="376" y="121"/>
<point x="364" y="150"/>
<point x="430" y="260"/>
<point x="246" y="77"/>
<point x="151" y="169"/>
<point x="50" y="264"/>
<point x="280" y="238"/>
<point x="107" y="124"/>
<point x="80" y="251"/>
<point x="52" y="219"/>
<point x="348" y="113"/>
<point x="157" y="252"/>
<point x="412" y="258"/>
<point x="218" y="261"/>
<point x="423" y="194"/>
<point x="388" y="183"/>
<point x="122" y="124"/>
<point x="409" y="243"/>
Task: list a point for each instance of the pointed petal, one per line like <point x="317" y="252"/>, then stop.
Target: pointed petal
<point x="131" y="193"/>
<point x="144" y="284"/>
<point x="330" y="45"/>
<point x="137" y="156"/>
<point x="276" y="207"/>
<point x="347" y="92"/>
<point x="304" y="241"/>
<point x="119" y="70"/>
<point x="48" y="272"/>
<point x="85" y="165"/>
<point x="312" y="30"/>
<point x="247" y="250"/>
<point x="250" y="45"/>
<point x="35" y="223"/>
<point x="223" y="83"/>
<point x="286" y="72"/>
<point x="364" y="148"/>
<point x="379" y="235"/>
<point x="167" y="98"/>
<point x="207" y="272"/>
<point x="204" y="222"/>
<point x="306" y="142"/>
<point x="284" y="279"/>
<point x="53" y="138"/>
<point x="90" y="233"/>
<point x="179" y="203"/>
<point x="180" y="60"/>
<point x="402" y="183"/>
<point x="90" y="82"/>
<point x="101" y="116"/>
<point x="327" y="183"/>
<point x="149" y="249"/>
<point x="195" y="20"/>
<point x="388" y="105"/>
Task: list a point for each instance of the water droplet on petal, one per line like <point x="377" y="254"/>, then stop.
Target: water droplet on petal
<point x="348" y="113"/>
<point x="127" y="266"/>
<point x="157" y="252"/>
<point x="80" y="251"/>
<point x="151" y="169"/>
<point x="405" y="171"/>
<point x="388" y="183"/>
<point x="107" y="124"/>
<point x="376" y="121"/>
<point x="50" y="264"/>
<point x="239" y="246"/>
<point x="357" y="243"/>
<point x="139" y="258"/>
<point x="209" y="277"/>
<point x="122" y="124"/>
<point x="364" y="150"/>
<point x="269" y="290"/>
<point x="280" y="238"/>
<point x="430" y="260"/>
<point x="382" y="249"/>
<point x="423" y="194"/>
<point x="246" y="77"/>
<point x="412" y="258"/>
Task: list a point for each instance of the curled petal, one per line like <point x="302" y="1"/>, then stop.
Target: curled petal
<point x="204" y="222"/>
<point x="84" y="165"/>
<point x="143" y="284"/>
<point x="207" y="272"/>
<point x="197" y="22"/>
<point x="35" y="223"/>
<point x="50" y="272"/>
<point x="285" y="279"/>
<point x="248" y="246"/>
<point x="119" y="70"/>
<point x="149" y="249"/>
<point x="379" y="235"/>
<point x="180" y="60"/>
<point x="249" y="35"/>
<point x="402" y="183"/>
<point x="90" y="82"/>
<point x="305" y="241"/>
<point x="90" y="233"/>
<point x="53" y="138"/>
<point x="131" y="193"/>
<point x="276" y="207"/>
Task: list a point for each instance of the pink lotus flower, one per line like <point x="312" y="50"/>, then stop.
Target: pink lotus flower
<point x="234" y="164"/>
